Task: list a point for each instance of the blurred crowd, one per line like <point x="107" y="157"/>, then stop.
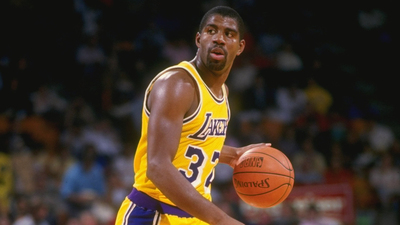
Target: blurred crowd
<point x="314" y="81"/>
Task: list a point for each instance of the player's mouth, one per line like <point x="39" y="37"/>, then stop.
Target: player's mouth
<point x="217" y="53"/>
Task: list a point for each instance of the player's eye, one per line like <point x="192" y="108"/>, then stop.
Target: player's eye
<point x="230" y="33"/>
<point x="211" y="31"/>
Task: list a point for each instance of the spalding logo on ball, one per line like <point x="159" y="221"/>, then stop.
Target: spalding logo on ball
<point x="263" y="177"/>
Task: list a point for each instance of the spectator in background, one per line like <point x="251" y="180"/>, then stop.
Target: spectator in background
<point x="122" y="165"/>
<point x="72" y="221"/>
<point x="291" y="102"/>
<point x="91" y="55"/>
<point x="90" y="14"/>
<point x="116" y="192"/>
<point x="318" y="97"/>
<point x="338" y="173"/>
<point x="23" y="161"/>
<point x="379" y="136"/>
<point x="309" y="164"/>
<point x="353" y="145"/>
<point x="31" y="212"/>
<point x="88" y="218"/>
<point x="72" y="137"/>
<point x="258" y="96"/>
<point x="122" y="106"/>
<point x="149" y="44"/>
<point x="288" y="143"/>
<point x="20" y="210"/>
<point x="84" y="218"/>
<point x="177" y="50"/>
<point x="385" y="178"/>
<point x="287" y="60"/>
<point x="83" y="183"/>
<point x="314" y="216"/>
<point x="365" y="159"/>
<point x="78" y="109"/>
<point x="50" y="168"/>
<point x="270" y="41"/>
<point x="370" y="18"/>
<point x="120" y="177"/>
<point x="288" y="216"/>
<point x="336" y="151"/>
<point x="4" y="220"/>
<point x="47" y="100"/>
<point x="250" y="128"/>
<point x="91" y="59"/>
<point x="242" y="77"/>
<point x="365" y="199"/>
<point x="40" y="212"/>
<point x="105" y="139"/>
<point x="338" y="127"/>
<point x="53" y="164"/>
<point x="310" y="123"/>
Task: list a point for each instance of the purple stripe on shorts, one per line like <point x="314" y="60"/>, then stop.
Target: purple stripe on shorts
<point x="145" y="201"/>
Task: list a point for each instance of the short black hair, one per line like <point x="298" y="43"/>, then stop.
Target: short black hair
<point x="224" y="11"/>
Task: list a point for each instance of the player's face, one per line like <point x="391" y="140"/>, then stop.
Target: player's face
<point x="219" y="42"/>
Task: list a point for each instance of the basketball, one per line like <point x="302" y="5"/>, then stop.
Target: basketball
<point x="263" y="177"/>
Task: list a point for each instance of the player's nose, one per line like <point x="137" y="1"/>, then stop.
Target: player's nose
<point x="219" y="38"/>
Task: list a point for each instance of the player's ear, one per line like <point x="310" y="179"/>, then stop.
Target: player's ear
<point x="242" y="44"/>
<point x="197" y="40"/>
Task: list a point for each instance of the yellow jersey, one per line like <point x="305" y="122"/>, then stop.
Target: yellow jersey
<point x="203" y="135"/>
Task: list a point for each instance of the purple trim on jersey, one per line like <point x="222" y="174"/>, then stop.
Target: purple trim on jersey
<point x="193" y="115"/>
<point x="219" y="101"/>
<point x="145" y="201"/>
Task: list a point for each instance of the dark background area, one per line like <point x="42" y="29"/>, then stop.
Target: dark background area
<point x="359" y="62"/>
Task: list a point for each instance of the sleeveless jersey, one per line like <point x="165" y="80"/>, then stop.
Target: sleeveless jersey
<point x="203" y="135"/>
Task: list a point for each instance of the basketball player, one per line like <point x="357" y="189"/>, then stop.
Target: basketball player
<point x="184" y="123"/>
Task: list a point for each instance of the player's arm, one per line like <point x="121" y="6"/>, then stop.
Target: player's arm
<point x="169" y="101"/>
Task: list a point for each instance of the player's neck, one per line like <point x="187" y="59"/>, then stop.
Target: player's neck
<point x="214" y="80"/>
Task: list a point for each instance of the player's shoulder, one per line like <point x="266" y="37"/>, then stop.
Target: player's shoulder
<point x="174" y="86"/>
<point x="176" y="77"/>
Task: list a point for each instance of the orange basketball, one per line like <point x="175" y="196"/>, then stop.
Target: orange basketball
<point x="263" y="177"/>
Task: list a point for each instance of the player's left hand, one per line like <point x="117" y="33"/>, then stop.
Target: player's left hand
<point x="240" y="151"/>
